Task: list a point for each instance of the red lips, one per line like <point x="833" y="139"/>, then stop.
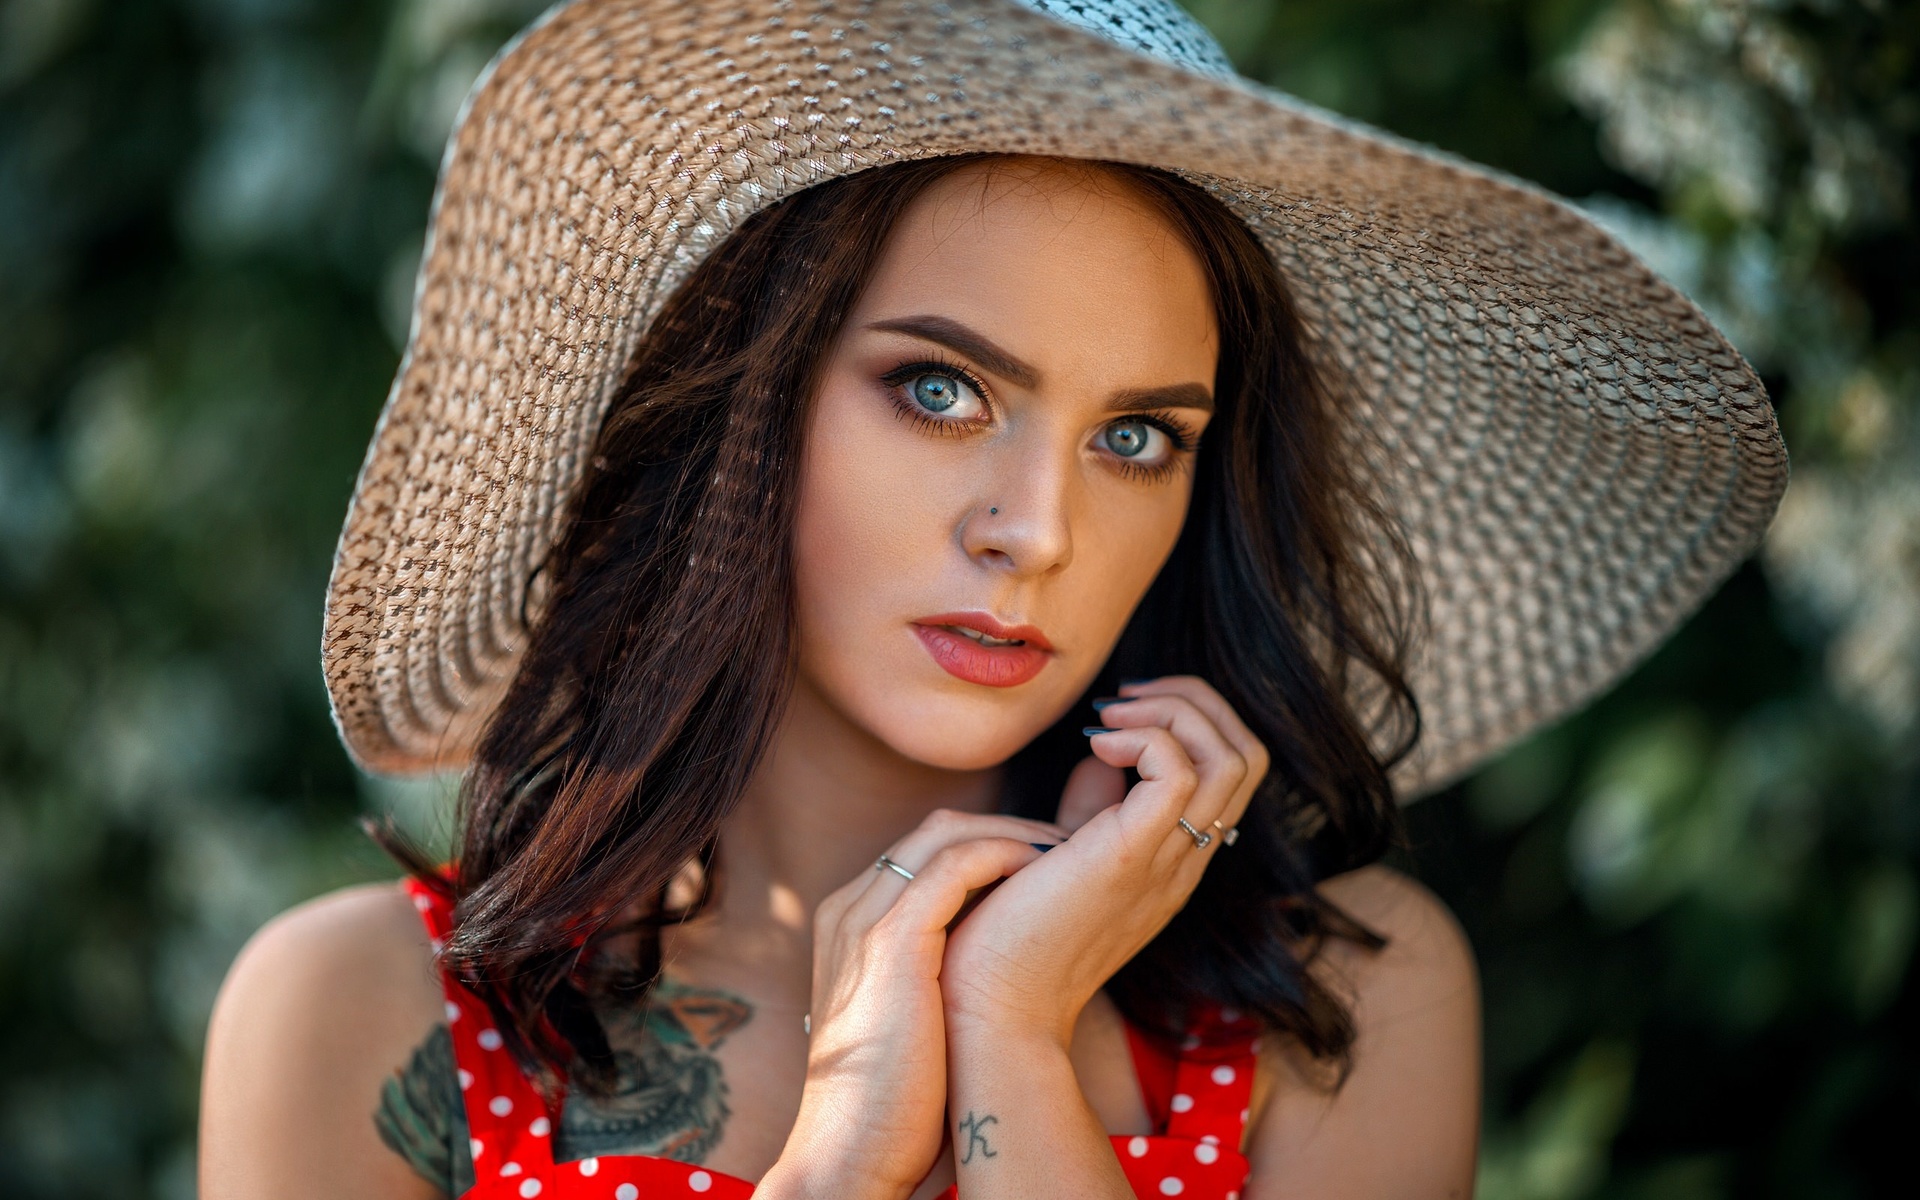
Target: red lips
<point x="992" y="666"/>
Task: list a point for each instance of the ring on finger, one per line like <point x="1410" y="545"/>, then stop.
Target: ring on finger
<point x="1227" y="836"/>
<point x="1200" y="840"/>
<point x="883" y="863"/>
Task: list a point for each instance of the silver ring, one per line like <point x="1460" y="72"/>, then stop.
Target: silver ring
<point x="1200" y="840"/>
<point x="887" y="864"/>
<point x="806" y="1024"/>
<point x="1227" y="836"/>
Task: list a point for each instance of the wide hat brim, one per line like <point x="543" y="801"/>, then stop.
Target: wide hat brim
<point x="1577" y="457"/>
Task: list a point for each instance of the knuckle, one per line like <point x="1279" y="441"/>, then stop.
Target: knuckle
<point x="1237" y="767"/>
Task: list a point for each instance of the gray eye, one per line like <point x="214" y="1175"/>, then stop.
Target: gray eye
<point x="935" y="393"/>
<point x="1128" y="438"/>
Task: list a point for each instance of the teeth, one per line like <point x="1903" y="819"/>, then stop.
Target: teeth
<point x="985" y="639"/>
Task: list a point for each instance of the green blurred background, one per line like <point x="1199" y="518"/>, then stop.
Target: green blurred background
<point x="1695" y="905"/>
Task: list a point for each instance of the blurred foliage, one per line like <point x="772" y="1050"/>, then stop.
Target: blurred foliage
<point x="1695" y="905"/>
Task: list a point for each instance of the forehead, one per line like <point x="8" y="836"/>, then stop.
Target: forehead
<point x="1047" y="257"/>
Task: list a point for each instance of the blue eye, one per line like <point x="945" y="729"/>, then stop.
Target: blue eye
<point x="1129" y="439"/>
<point x="935" y="393"/>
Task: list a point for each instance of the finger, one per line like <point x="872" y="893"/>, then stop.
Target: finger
<point x="941" y="885"/>
<point x="1093" y="787"/>
<point x="1167" y="781"/>
<point x="940" y="829"/>
<point x="1221" y="768"/>
<point x="1226" y="718"/>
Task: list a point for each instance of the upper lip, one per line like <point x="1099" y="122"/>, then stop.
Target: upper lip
<point x="992" y="626"/>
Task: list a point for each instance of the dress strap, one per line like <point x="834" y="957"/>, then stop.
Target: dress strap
<point x="1212" y="1091"/>
<point x="508" y="1119"/>
<point x="1202" y="1093"/>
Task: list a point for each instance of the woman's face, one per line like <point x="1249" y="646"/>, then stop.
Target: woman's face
<point x="999" y="458"/>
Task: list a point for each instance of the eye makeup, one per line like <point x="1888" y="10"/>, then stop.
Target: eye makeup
<point x="1182" y="440"/>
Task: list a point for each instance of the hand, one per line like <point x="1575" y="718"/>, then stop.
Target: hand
<point x="872" y="1112"/>
<point x="1032" y="954"/>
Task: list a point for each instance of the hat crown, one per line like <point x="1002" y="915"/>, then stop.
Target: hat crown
<point x="1159" y="28"/>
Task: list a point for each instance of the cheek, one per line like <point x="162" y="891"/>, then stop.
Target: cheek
<point x="1121" y="539"/>
<point x="862" y="528"/>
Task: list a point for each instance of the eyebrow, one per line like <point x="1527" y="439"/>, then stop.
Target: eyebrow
<point x="945" y="331"/>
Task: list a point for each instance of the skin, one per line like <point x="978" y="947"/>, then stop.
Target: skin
<point x="1083" y="301"/>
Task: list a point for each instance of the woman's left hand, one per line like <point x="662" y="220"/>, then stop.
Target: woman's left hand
<point x="1042" y="943"/>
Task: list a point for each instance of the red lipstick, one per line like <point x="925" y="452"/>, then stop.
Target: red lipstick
<point x="979" y="648"/>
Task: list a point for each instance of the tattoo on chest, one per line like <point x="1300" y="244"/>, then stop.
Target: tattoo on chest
<point x="975" y="1130"/>
<point x="670" y="1093"/>
<point x="670" y="1097"/>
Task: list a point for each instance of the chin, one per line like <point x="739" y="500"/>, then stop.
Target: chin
<point x="955" y="734"/>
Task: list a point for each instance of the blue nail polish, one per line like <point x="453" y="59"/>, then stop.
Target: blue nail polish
<point x="1091" y="730"/>
<point x="1042" y="847"/>
<point x="1105" y="702"/>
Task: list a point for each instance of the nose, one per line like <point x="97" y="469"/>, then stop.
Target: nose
<point x="1021" y="520"/>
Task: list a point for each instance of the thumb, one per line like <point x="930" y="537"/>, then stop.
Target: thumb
<point x="1092" y="787"/>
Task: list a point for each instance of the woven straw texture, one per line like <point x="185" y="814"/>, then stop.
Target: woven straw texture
<point x="1577" y="456"/>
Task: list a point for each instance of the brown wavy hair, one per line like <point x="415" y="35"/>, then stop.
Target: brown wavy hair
<point x="657" y="668"/>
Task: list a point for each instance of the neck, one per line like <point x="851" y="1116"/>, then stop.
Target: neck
<point x="826" y="801"/>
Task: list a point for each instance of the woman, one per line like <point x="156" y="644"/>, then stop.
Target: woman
<point x="808" y="427"/>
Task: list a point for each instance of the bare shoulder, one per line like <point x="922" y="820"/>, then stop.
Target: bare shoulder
<point x="1403" y="1120"/>
<point x="1426" y="959"/>
<point x="321" y="1005"/>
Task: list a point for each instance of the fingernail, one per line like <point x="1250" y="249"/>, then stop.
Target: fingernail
<point x="1091" y="730"/>
<point x="1042" y="847"/>
<point x="1103" y="702"/>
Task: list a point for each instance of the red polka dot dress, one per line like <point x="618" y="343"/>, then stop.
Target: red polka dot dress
<point x="1198" y="1097"/>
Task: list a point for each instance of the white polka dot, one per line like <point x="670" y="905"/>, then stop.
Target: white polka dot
<point x="1253" y="1047"/>
<point x="1223" y="1075"/>
<point x="475" y="1146"/>
<point x="1137" y="1147"/>
<point x="1233" y="1196"/>
<point x="1190" y="1042"/>
<point x="466" y="1079"/>
<point x="1243" y="1116"/>
<point x="1230" y="1015"/>
<point x="453" y="1011"/>
<point x="530" y="1188"/>
<point x="589" y="1166"/>
<point x="1182" y="1102"/>
<point x="1211" y="1139"/>
<point x="626" y="1191"/>
<point x="423" y="904"/>
<point x="699" y="1181"/>
<point x="489" y="1039"/>
<point x="1206" y="1153"/>
<point x="499" y="1106"/>
<point x="1171" y="1186"/>
<point x="541" y="1127"/>
<point x="510" y="1169"/>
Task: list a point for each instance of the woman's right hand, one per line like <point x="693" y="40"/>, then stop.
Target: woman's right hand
<point x="873" y="1111"/>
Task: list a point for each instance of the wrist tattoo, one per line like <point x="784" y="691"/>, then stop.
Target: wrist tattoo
<point x="976" y="1130"/>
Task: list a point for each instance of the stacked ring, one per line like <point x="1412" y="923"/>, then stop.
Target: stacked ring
<point x="883" y="863"/>
<point x="1200" y="840"/>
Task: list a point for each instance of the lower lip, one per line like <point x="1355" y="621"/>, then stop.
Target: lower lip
<point x="992" y="666"/>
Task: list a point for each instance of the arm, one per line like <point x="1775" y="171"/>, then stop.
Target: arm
<point x="1020" y="1123"/>
<point x="1405" y="1123"/>
<point x="320" y="1008"/>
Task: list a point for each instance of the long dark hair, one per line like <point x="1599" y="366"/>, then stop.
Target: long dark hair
<point x="658" y="665"/>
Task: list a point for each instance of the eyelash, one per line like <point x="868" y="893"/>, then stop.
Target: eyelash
<point x="1183" y="438"/>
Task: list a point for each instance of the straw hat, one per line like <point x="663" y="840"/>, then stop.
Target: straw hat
<point x="1577" y="456"/>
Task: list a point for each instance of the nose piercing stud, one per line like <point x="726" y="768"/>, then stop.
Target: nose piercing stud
<point x="993" y="512"/>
